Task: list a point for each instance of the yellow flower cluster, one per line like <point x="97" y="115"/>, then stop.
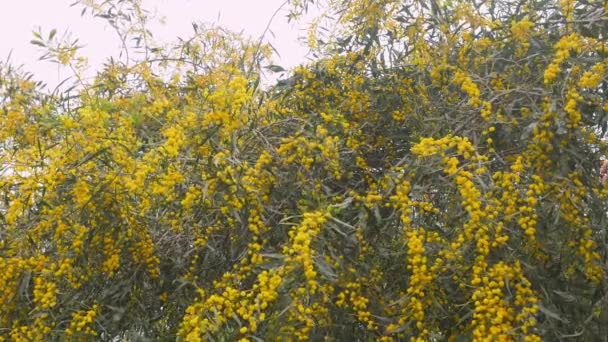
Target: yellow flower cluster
<point x="79" y="239"/>
<point x="567" y="7"/>
<point x="164" y="186"/>
<point x="82" y="193"/>
<point x="66" y="269"/>
<point x="111" y="264"/>
<point x="574" y="115"/>
<point x="175" y="139"/>
<point x="591" y="79"/>
<point x="421" y="275"/>
<point x="39" y="329"/>
<point x="562" y="52"/>
<point x="430" y="146"/>
<point x="527" y="219"/>
<point x="521" y="29"/>
<point x="469" y="87"/>
<point x="82" y="323"/>
<point x="250" y="306"/>
<point x="358" y="302"/>
<point x="570" y="197"/>
<point x="495" y="318"/>
<point x="142" y="252"/>
<point x="300" y="251"/>
<point x="45" y="293"/>
<point x="194" y="324"/>
<point x="419" y="281"/>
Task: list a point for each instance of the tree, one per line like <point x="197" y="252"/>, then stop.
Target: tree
<point x="432" y="174"/>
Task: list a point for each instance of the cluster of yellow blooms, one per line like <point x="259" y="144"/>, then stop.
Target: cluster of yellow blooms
<point x="40" y="327"/>
<point x="82" y="323"/>
<point x="45" y="293"/>
<point x="562" y="52"/>
<point x="300" y="251"/>
<point x="521" y="29"/>
<point x="493" y="318"/>
<point x="469" y="87"/>
<point x="352" y="295"/>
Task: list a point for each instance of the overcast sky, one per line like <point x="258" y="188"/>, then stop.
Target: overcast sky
<point x="20" y="17"/>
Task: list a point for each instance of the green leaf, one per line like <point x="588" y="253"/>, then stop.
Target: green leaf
<point x="325" y="269"/>
<point x="37" y="42"/>
<point x="276" y="68"/>
<point x="565" y="295"/>
<point x="551" y="314"/>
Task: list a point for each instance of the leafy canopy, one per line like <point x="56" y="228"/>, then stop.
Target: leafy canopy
<point x="432" y="174"/>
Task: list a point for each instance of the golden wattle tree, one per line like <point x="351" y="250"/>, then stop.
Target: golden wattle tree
<point x="433" y="173"/>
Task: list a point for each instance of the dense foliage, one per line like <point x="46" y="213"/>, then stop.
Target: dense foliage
<point x="433" y="174"/>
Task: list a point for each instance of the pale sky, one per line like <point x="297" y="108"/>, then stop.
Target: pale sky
<point x="20" y="17"/>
